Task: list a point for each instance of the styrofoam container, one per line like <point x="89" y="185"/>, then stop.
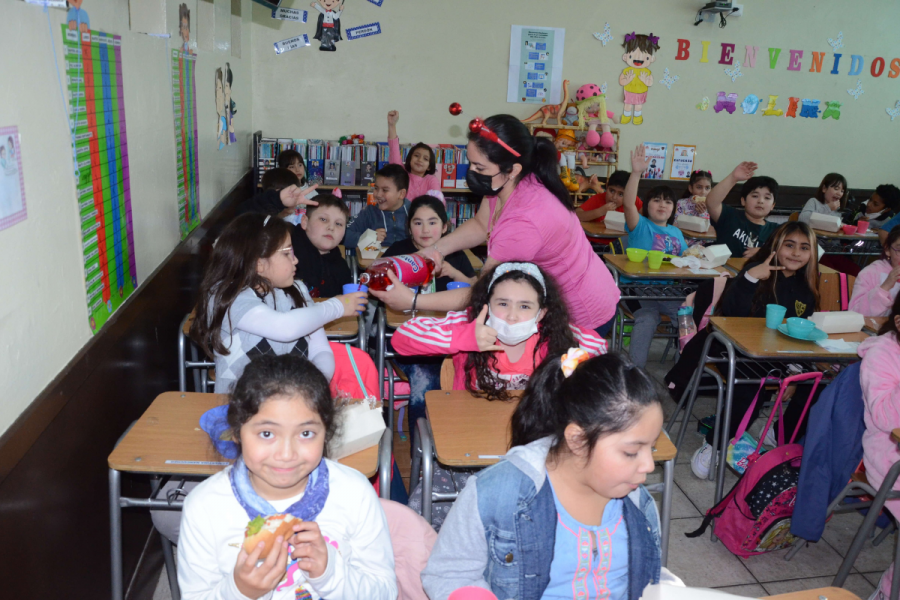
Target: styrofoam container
<point x="369" y="246"/>
<point x="825" y="222"/>
<point x="844" y="321"/>
<point x="715" y="256"/>
<point x="692" y="223"/>
<point x="615" y="221"/>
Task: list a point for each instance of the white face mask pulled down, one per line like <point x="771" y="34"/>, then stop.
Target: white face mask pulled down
<point x="512" y="335"/>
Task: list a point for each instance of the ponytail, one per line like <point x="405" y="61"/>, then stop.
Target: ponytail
<point x="605" y="394"/>
<point x="537" y="155"/>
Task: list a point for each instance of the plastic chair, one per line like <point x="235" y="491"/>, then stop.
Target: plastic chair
<point x="201" y="368"/>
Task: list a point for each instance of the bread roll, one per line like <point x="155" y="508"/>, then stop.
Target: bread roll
<point x="267" y="530"/>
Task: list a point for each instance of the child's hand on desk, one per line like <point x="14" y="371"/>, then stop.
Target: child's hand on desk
<point x="380" y="234"/>
<point x="253" y="581"/>
<point x="484" y="335"/>
<point x="293" y="195"/>
<point x="398" y="297"/>
<point x="310" y="550"/>
<point x="763" y="270"/>
<point x="353" y="303"/>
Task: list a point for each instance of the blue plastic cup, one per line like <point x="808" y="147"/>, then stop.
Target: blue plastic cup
<point x="350" y="288"/>
<point x="774" y="315"/>
<point x="455" y="285"/>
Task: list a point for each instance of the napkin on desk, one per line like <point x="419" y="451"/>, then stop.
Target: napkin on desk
<point x="839" y="346"/>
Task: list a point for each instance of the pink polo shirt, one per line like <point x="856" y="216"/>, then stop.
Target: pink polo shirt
<point x="535" y="227"/>
<point x="418" y="186"/>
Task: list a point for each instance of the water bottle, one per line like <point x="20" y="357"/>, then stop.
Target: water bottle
<point x="686" y="326"/>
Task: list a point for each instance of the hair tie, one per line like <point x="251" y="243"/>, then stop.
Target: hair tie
<point x="266" y="220"/>
<point x="477" y="126"/>
<point x="571" y="359"/>
<point x="524" y="267"/>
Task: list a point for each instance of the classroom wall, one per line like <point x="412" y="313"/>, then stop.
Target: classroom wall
<point x="433" y="53"/>
<point x="43" y="314"/>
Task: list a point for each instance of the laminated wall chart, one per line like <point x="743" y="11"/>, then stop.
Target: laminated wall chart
<point x="187" y="162"/>
<point x="97" y="120"/>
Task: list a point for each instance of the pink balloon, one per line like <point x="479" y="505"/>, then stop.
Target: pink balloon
<point x="472" y="593"/>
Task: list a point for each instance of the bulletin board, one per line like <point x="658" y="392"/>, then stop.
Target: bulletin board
<point x="184" y="99"/>
<point x="103" y="189"/>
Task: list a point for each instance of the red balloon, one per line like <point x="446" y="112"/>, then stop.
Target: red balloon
<point x="476" y="125"/>
<point x="455" y="109"/>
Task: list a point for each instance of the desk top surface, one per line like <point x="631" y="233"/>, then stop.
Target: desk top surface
<point x="641" y="270"/>
<point x="474" y="432"/>
<point x="599" y="230"/>
<point x="831" y="593"/>
<point x="754" y="339"/>
<point x="168" y="439"/>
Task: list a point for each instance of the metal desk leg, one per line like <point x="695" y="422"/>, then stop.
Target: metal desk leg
<point x="362" y="335"/>
<point x="380" y="363"/>
<point x="385" y="446"/>
<point x="182" y="374"/>
<point x="725" y="421"/>
<point x="115" y="533"/>
<point x="427" y="445"/>
<point x="666" y="517"/>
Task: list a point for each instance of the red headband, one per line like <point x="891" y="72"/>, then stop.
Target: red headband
<point x="476" y="125"/>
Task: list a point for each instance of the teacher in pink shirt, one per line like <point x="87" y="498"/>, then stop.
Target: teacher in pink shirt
<point x="526" y="216"/>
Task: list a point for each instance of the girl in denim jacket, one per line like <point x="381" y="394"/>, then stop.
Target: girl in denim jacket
<point x="564" y="514"/>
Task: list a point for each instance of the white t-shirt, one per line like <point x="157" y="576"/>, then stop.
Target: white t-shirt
<point x="360" y="556"/>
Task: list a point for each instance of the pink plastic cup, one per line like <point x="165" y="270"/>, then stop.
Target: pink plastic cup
<point x="849" y="229"/>
<point x="862" y="227"/>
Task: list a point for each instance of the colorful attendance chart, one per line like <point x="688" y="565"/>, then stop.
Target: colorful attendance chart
<point x="184" y="97"/>
<point x="97" y="121"/>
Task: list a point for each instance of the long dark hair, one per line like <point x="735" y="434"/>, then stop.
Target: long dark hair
<point x="829" y="181"/>
<point x="663" y="192"/>
<point x="605" y="394"/>
<point x="431" y="162"/>
<point x="287" y="375"/>
<point x="538" y="155"/>
<point x="232" y="269"/>
<point x="553" y="331"/>
<point x="765" y="290"/>
<point x="890" y="326"/>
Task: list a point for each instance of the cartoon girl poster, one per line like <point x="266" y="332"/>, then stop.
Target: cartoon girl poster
<point x="222" y="120"/>
<point x="637" y="78"/>
<point x="77" y="16"/>
<point x="230" y="106"/>
<point x="328" y="27"/>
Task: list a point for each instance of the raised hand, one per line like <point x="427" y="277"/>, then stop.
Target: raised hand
<point x="639" y="160"/>
<point x="293" y="195"/>
<point x="484" y="335"/>
<point x="763" y="270"/>
<point x="393" y="117"/>
<point x="253" y="581"/>
<point x="744" y="171"/>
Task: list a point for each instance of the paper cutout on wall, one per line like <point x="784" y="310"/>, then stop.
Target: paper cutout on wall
<point x="894" y="112"/>
<point x="703" y="104"/>
<point x="792" y="107"/>
<point x="771" y="111"/>
<point x="833" y="110"/>
<point x="667" y="79"/>
<point x="12" y="180"/>
<point x="298" y="41"/>
<point x="838" y="43"/>
<point x="230" y="104"/>
<point x="77" y="17"/>
<point x="605" y="37"/>
<point x="857" y="91"/>
<point x="184" y="29"/>
<point x="810" y="109"/>
<point x="221" y="110"/>
<point x="636" y="78"/>
<point x="328" y="25"/>
<point x="726" y="102"/>
<point x="734" y="72"/>
<point x="750" y="104"/>
<point x="361" y="31"/>
<point x="727" y="57"/>
<point x="750" y="56"/>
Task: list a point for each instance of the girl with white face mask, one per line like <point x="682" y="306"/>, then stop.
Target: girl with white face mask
<point x="515" y="317"/>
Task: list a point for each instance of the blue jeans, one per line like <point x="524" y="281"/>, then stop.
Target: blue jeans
<point x="423" y="377"/>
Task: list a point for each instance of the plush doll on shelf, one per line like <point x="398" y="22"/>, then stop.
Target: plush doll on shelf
<point x="636" y="78"/>
<point x="590" y="104"/>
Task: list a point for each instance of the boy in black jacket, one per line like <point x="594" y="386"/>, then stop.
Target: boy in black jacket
<point x="320" y="263"/>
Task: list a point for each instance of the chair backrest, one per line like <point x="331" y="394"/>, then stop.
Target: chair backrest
<point x="412" y="539"/>
<point x="617" y="246"/>
<point x="794" y="217"/>
<point x="834" y="291"/>
<point x="448" y="373"/>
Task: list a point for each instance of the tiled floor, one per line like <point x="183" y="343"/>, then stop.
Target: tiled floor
<point x="703" y="563"/>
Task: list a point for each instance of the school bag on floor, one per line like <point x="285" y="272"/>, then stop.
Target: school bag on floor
<point x="755" y="516"/>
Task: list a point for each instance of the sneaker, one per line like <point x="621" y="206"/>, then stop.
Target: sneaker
<point x="700" y="461"/>
<point x="770" y="439"/>
<point x="638" y="120"/>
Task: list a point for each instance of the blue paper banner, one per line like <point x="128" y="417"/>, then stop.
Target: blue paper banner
<point x="354" y="33"/>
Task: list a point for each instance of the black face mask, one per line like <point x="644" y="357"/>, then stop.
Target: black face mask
<point x="480" y="184"/>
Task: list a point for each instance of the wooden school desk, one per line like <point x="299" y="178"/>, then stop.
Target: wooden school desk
<point x="167" y="440"/>
<point x="349" y="330"/>
<point x="708" y="236"/>
<point x="599" y="230"/>
<point x="465" y="431"/>
<point x="387" y="321"/>
<point x="873" y="324"/>
<point x="750" y="338"/>
<point x="636" y="281"/>
<point x="828" y="593"/>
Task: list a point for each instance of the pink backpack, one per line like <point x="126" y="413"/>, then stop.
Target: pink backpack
<point x="755" y="516"/>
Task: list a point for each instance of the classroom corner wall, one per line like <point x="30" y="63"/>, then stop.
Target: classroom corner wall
<point x="431" y="54"/>
<point x="43" y="313"/>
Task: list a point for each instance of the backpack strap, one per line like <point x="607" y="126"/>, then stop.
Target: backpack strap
<point x="745" y="422"/>
<point x="845" y="299"/>
<point x="359" y="380"/>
